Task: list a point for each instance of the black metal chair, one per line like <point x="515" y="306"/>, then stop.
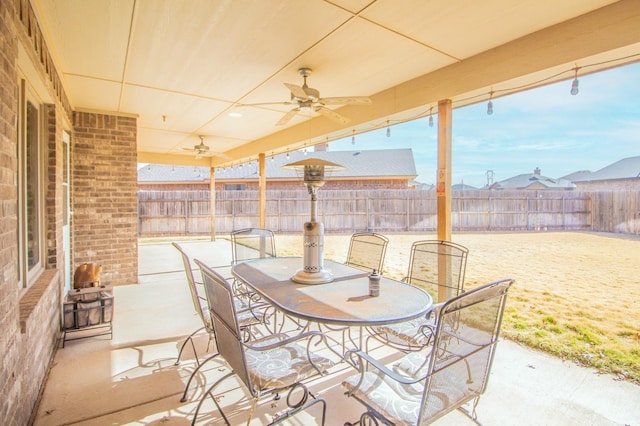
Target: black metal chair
<point x="267" y="365"/>
<point x="367" y="251"/>
<point x="438" y="267"/>
<point x="424" y="386"/>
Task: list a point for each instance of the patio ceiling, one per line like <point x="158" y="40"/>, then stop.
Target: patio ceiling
<point x="182" y="67"/>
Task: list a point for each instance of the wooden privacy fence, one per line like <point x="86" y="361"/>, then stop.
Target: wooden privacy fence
<point x="166" y="213"/>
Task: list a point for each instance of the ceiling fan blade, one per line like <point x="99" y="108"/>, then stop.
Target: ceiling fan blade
<point x="346" y="100"/>
<point x="266" y="103"/>
<point x="287" y="117"/>
<point x="297" y="91"/>
<point x="329" y="113"/>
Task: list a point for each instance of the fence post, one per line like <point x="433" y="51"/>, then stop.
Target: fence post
<point x="186" y="216"/>
<point x="407" y="210"/>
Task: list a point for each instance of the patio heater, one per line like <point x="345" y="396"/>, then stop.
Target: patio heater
<point x="313" y="271"/>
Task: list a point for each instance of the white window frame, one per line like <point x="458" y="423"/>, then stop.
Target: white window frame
<point x="27" y="274"/>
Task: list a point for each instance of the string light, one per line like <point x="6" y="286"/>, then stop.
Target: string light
<point x="388" y="130"/>
<point x="574" y="84"/>
<point x="353" y="138"/>
<point x="490" y="104"/>
<point x="287" y="155"/>
<point x="431" y="117"/>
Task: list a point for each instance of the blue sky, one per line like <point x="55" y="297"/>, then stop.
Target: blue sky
<point x="545" y="127"/>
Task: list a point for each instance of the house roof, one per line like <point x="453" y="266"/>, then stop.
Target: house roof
<point x="533" y="180"/>
<point x="575" y="176"/>
<point x="627" y="168"/>
<point x="380" y="163"/>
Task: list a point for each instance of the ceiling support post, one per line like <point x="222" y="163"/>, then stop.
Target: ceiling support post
<point x="262" y="184"/>
<point x="212" y="202"/>
<point x="443" y="192"/>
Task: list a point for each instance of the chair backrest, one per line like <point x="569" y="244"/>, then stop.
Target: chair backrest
<point x="367" y="250"/>
<point x="461" y="358"/>
<point x="438" y="266"/>
<point x="225" y="321"/>
<point x="252" y="243"/>
<point x="199" y="301"/>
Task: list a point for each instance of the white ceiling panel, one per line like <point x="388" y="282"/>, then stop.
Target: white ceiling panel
<point x="93" y="94"/>
<point x="462" y="28"/>
<point x="180" y="112"/>
<point x="226" y="48"/>
<point x="88" y="38"/>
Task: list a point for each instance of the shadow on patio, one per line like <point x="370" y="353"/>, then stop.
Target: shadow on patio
<point x="133" y="379"/>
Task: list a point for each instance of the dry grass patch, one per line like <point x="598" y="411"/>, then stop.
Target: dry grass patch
<point x="577" y="295"/>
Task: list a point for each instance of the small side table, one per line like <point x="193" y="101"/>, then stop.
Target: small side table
<point x="88" y="312"/>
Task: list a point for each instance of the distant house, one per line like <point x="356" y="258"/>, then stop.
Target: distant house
<point x="534" y="181"/>
<point x="366" y="169"/>
<point x="462" y="187"/>
<point x="621" y="175"/>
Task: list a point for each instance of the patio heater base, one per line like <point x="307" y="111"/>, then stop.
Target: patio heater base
<point x="304" y="277"/>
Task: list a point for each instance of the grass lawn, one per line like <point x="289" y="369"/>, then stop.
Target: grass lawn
<point x="576" y="295"/>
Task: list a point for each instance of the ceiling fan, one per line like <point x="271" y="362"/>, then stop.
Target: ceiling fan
<point x="305" y="97"/>
<point x="203" y="150"/>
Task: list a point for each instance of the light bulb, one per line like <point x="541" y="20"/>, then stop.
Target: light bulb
<point x="490" y="108"/>
<point x="272" y="159"/>
<point x="353" y="138"/>
<point x="287" y="155"/>
<point x="305" y="152"/>
<point x="388" y="130"/>
<point x="574" y="86"/>
<point x="431" y="121"/>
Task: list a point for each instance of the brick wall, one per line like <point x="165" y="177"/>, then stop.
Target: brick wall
<point x="9" y="309"/>
<point x="104" y="195"/>
<point x="29" y="319"/>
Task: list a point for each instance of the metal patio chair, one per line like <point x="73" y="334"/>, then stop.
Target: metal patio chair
<point x="249" y="316"/>
<point x="367" y="251"/>
<point x="249" y="244"/>
<point x="267" y="365"/>
<point x="252" y="243"/>
<point x="437" y="266"/>
<point x="424" y="386"/>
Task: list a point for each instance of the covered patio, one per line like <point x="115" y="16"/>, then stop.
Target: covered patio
<point x="93" y="88"/>
<point x="133" y="380"/>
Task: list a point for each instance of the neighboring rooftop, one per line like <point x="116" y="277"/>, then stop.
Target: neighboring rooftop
<point x="627" y="168"/>
<point x="379" y="163"/>
<point x="533" y="180"/>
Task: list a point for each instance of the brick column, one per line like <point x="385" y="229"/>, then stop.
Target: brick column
<point x="104" y="195"/>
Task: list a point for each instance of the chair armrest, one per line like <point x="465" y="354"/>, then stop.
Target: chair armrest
<point x="379" y="366"/>
<point x="284" y="339"/>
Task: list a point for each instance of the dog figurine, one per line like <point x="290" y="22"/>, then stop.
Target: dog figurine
<point x="87" y="275"/>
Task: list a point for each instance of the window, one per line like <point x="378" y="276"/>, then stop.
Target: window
<point x="235" y="186"/>
<point x="30" y="187"/>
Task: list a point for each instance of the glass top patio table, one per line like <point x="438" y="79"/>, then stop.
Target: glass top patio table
<point x="344" y="301"/>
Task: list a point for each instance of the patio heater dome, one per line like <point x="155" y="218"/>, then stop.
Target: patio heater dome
<point x="313" y="170"/>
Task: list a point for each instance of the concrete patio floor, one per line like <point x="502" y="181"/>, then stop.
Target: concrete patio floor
<point x="133" y="380"/>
